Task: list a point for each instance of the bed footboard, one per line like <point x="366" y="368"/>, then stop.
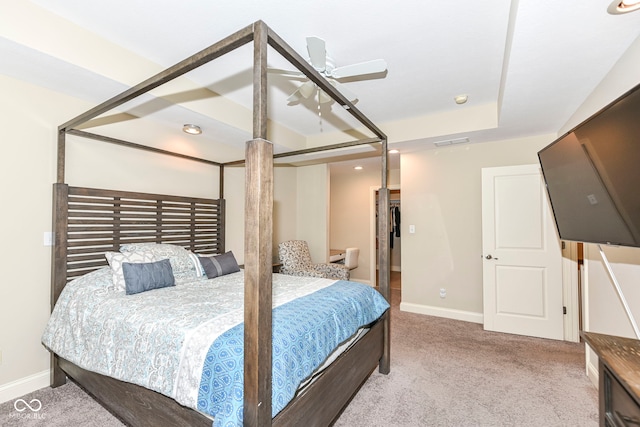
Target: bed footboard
<point x="132" y="404"/>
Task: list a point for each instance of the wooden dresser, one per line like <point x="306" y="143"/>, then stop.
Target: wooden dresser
<point x="619" y="378"/>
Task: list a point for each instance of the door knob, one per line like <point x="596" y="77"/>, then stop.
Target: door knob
<point x="490" y="257"/>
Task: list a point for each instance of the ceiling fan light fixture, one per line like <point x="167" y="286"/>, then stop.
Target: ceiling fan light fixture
<point x="618" y="7"/>
<point x="192" y="129"/>
<point x="461" y="99"/>
<point x="326" y="66"/>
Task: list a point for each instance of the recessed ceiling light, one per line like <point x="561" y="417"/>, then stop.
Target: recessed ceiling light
<point x="358" y="168"/>
<point x="191" y="129"/>
<point x="618" y="7"/>
<point x="393" y="151"/>
<point x="461" y="99"/>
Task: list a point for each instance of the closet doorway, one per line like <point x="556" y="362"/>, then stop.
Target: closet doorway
<point x="395" y="238"/>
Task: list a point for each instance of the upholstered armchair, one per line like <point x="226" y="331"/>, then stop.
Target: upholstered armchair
<point x="296" y="261"/>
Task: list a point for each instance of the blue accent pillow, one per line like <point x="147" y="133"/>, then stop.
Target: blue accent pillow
<point x="219" y="265"/>
<point x="145" y="276"/>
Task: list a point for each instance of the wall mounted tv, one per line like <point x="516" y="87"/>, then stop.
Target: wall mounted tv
<point x="592" y="175"/>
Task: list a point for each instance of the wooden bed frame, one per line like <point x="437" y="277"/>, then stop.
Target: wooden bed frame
<point x="89" y="222"/>
<point x="138" y="406"/>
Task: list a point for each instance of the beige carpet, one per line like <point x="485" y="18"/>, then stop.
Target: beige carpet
<point x="443" y="373"/>
<point x="453" y="373"/>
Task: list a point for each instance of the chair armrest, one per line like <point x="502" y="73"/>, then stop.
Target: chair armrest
<point x="300" y="272"/>
<point x="333" y="271"/>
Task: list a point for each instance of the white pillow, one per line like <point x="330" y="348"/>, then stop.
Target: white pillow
<point x="197" y="265"/>
<point x="116" y="259"/>
<point x="182" y="264"/>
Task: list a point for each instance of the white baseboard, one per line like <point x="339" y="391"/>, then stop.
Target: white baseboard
<point x="591" y="366"/>
<point x="448" y="313"/>
<point x="593" y="374"/>
<point x="25" y="385"/>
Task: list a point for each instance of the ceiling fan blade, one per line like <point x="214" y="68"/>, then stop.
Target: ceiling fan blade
<point x="317" y="53"/>
<point x="349" y="94"/>
<point x="286" y="73"/>
<point x="307" y="89"/>
<point x="361" y="68"/>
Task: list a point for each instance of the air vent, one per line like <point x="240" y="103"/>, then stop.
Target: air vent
<point x="451" y="142"/>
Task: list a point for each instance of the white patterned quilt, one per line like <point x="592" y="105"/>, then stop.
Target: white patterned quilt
<point x="149" y="339"/>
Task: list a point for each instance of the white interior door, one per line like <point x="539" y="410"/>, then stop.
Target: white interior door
<point x="522" y="271"/>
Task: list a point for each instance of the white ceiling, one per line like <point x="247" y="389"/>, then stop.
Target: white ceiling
<point x="532" y="62"/>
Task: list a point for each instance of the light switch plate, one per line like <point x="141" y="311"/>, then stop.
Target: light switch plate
<point x="48" y="238"/>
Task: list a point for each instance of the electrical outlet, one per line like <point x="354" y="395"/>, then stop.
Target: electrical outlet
<point x="443" y="293"/>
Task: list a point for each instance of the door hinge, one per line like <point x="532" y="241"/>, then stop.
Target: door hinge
<point x="564" y="310"/>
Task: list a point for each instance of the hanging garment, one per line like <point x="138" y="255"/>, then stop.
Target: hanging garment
<point x="392" y="223"/>
<point x="396" y="215"/>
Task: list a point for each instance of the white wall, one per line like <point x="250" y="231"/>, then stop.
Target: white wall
<point x="101" y="165"/>
<point x="441" y="196"/>
<point x="28" y="116"/>
<point x="605" y="312"/>
<point x="351" y="214"/>
<point x="313" y="210"/>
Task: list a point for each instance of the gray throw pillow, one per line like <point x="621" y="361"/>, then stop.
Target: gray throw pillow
<point x="219" y="265"/>
<point x="145" y="276"/>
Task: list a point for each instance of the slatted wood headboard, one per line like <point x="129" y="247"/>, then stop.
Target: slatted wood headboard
<point x="89" y="222"/>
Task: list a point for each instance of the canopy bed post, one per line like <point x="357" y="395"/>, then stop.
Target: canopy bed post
<point x="59" y="252"/>
<point x="258" y="249"/>
<point x="61" y="155"/>
<point x="59" y="256"/>
<point x="257" y="283"/>
<point x="221" y="182"/>
<point x="222" y="229"/>
<point x="384" y="258"/>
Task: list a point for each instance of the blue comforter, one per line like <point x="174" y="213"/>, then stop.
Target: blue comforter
<point x="305" y="332"/>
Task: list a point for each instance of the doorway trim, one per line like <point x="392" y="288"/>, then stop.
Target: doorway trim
<point x="373" y="265"/>
<point x="570" y="291"/>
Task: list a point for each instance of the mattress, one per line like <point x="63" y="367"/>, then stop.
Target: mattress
<point x="186" y="341"/>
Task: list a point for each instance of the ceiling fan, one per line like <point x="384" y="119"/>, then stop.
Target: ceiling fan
<point x="326" y="66"/>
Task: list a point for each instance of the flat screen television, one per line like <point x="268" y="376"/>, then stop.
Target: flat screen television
<point x="592" y="174"/>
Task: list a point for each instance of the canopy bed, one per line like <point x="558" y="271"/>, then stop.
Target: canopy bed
<point x="88" y="223"/>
